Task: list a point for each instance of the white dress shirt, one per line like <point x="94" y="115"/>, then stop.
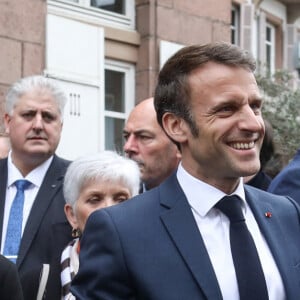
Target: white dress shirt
<point x="214" y="228"/>
<point x="36" y="177"/>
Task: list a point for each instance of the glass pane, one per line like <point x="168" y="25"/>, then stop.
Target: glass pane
<point x="233" y="41"/>
<point x="268" y="59"/>
<point x="268" y="34"/>
<point x="268" y="54"/>
<point x="116" y="6"/>
<point x="114" y="91"/>
<point x="233" y="18"/>
<point x="114" y="134"/>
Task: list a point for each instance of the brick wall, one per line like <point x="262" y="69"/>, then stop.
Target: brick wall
<point x="22" y="42"/>
<point x="184" y="22"/>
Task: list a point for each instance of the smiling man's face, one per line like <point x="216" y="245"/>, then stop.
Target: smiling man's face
<point x="226" y="106"/>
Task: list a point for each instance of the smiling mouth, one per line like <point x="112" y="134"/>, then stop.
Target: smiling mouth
<point x="242" y="146"/>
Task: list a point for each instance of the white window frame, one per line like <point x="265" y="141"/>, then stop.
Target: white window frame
<point x="129" y="93"/>
<point x="270" y="44"/>
<point x="235" y="28"/>
<point x="125" y="21"/>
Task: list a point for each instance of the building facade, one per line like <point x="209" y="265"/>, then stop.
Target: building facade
<point x="106" y="54"/>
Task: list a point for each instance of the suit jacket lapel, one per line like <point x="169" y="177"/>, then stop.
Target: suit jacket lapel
<point x="3" y="183"/>
<point x="271" y="229"/>
<point x="181" y="225"/>
<point x="51" y="184"/>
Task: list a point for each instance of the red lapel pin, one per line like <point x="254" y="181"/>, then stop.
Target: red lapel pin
<point x="268" y="214"/>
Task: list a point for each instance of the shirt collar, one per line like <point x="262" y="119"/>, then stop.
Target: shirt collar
<point x="36" y="176"/>
<point x="201" y="196"/>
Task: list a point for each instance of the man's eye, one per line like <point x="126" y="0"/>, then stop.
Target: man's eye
<point x="226" y="109"/>
<point x="28" y="115"/>
<point x="48" y="117"/>
<point x="144" y="137"/>
<point x="256" y="107"/>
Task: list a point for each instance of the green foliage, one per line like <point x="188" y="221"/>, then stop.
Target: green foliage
<point x="282" y="109"/>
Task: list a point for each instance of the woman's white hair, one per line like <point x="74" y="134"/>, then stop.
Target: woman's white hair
<point x="107" y="166"/>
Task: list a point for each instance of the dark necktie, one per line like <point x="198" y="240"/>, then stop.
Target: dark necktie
<point x="249" y="273"/>
<point x="14" y="226"/>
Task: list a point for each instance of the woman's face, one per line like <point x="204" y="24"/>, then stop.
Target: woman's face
<point x="95" y="195"/>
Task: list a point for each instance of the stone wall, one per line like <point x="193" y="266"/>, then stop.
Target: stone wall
<point x="22" y="42"/>
<point x="184" y="22"/>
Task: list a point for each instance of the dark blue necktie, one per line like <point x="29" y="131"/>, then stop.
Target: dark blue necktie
<point x="14" y="226"/>
<point x="249" y="273"/>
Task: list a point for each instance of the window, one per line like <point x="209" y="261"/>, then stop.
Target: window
<point x="270" y="48"/>
<point x="235" y="24"/>
<point x="114" y="12"/>
<point x="116" y="6"/>
<point x="119" y="100"/>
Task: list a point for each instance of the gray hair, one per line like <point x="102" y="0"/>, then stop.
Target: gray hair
<point x="106" y="166"/>
<point x="27" y="84"/>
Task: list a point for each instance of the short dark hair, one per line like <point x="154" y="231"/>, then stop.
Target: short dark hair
<point x="173" y="91"/>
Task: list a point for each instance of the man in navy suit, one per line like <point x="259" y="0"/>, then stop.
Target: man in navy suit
<point x="287" y="181"/>
<point x="33" y="121"/>
<point x="172" y="243"/>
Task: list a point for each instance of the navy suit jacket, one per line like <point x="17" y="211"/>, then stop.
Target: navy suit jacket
<point x="287" y="182"/>
<point x="46" y="233"/>
<point x="150" y="247"/>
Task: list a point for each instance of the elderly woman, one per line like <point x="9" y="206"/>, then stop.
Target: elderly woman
<point x="93" y="182"/>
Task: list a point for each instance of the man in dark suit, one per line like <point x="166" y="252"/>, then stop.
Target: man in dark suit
<point x="147" y="144"/>
<point x="33" y="121"/>
<point x="287" y="181"/>
<point x="176" y="242"/>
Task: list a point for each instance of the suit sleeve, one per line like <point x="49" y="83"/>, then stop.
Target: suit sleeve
<point x="102" y="273"/>
<point x="286" y="184"/>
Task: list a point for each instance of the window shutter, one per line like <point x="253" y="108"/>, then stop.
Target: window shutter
<point x="247" y="19"/>
<point x="293" y="59"/>
<point x="261" y="41"/>
<point x="75" y="58"/>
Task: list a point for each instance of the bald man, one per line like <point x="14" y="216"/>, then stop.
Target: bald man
<point x="148" y="145"/>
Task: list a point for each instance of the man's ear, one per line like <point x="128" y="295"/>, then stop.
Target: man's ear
<point x="175" y="127"/>
<point x="7" y="119"/>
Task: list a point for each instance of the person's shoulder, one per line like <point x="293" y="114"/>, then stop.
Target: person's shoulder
<point x="5" y="263"/>
<point x="147" y="205"/>
<point x="7" y="269"/>
<point x="60" y="160"/>
<point x="267" y="197"/>
<point x="289" y="176"/>
<point x="257" y="192"/>
<point x="142" y="201"/>
<point x="10" y="287"/>
<point x="294" y="164"/>
<point x="134" y="208"/>
<point x="58" y="166"/>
